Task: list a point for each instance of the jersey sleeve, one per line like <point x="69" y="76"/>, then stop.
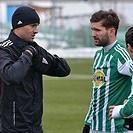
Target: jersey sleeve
<point x="127" y="110"/>
<point x="124" y="62"/>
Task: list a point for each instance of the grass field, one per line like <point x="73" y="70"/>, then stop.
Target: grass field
<point x="66" y="100"/>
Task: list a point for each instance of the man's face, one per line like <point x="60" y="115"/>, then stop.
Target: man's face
<point x="28" y="32"/>
<point x="100" y="34"/>
<point x="130" y="51"/>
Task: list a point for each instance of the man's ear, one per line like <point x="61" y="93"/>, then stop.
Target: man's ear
<point x="129" y="47"/>
<point x="112" y="31"/>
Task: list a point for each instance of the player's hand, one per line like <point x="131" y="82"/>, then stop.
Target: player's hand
<point x="111" y="111"/>
<point x="125" y="101"/>
<point x="31" y="50"/>
<point x="86" y="129"/>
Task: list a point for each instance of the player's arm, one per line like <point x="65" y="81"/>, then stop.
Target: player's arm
<point x="114" y="111"/>
<point x="14" y="71"/>
<point x="124" y="111"/>
<point x="127" y="109"/>
<point x="52" y="65"/>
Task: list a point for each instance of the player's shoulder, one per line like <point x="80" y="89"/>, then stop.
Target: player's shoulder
<point x="6" y="43"/>
<point x="120" y="45"/>
<point x="99" y="50"/>
<point x="120" y="48"/>
<point x="121" y="52"/>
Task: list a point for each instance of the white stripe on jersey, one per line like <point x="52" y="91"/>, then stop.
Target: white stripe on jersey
<point x="131" y="66"/>
<point x="122" y="52"/>
<point x="97" y="107"/>
<point x="98" y="58"/>
<point x="106" y="93"/>
<point x="104" y="62"/>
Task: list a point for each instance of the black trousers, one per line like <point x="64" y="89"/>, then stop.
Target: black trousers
<point x="128" y="124"/>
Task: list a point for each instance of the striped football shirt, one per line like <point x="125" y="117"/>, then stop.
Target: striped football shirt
<point x="111" y="86"/>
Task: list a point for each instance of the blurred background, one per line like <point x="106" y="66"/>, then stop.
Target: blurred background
<point x="65" y="25"/>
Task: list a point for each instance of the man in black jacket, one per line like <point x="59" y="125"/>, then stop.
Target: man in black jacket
<point x="22" y="64"/>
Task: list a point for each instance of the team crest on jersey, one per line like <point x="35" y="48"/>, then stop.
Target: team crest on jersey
<point x="98" y="78"/>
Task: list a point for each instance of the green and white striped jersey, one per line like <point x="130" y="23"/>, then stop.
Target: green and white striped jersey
<point x="111" y="86"/>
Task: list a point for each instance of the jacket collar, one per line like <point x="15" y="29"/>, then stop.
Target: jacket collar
<point x="17" y="40"/>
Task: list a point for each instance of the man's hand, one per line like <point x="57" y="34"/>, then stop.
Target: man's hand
<point x="31" y="50"/>
<point x="114" y="108"/>
<point x="86" y="129"/>
<point x="125" y="101"/>
<point x="111" y="111"/>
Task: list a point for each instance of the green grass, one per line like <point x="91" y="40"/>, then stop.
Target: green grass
<point x="67" y="99"/>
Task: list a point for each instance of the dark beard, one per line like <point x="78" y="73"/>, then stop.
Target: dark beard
<point x="104" y="41"/>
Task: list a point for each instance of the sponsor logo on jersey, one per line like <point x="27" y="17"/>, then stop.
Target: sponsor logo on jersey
<point x="98" y="78"/>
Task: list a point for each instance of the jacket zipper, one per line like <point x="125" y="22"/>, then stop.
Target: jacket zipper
<point x="14" y="113"/>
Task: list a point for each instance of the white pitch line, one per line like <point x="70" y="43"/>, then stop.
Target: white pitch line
<point x="70" y="77"/>
<point x="63" y="132"/>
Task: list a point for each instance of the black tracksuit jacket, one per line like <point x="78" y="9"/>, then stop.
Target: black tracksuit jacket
<point x="21" y="93"/>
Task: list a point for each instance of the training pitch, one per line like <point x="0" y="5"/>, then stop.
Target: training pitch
<point x="66" y="100"/>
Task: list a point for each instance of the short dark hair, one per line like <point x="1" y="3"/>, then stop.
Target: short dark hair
<point x="129" y="36"/>
<point x="110" y="19"/>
